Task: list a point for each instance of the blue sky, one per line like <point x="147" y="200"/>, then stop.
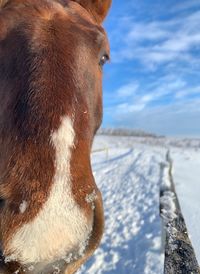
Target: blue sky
<point x="153" y="80"/>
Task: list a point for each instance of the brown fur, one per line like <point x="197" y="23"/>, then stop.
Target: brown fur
<point x="97" y="8"/>
<point x="2" y="3"/>
<point x="43" y="77"/>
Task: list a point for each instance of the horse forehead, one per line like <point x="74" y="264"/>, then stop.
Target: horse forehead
<point x="37" y="18"/>
<point x="46" y="9"/>
<point x="72" y="18"/>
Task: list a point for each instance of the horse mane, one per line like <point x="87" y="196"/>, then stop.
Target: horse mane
<point x="3" y="3"/>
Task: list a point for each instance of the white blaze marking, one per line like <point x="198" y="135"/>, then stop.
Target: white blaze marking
<point x="60" y="228"/>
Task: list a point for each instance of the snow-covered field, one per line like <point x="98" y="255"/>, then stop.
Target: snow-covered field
<point x="128" y="172"/>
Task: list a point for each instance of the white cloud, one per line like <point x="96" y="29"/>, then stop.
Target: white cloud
<point x="133" y="98"/>
<point x="185" y="5"/>
<point x="157" y="42"/>
<point x="187" y="92"/>
<point x="129" y="108"/>
<point x="127" y="90"/>
<point x="179" y="119"/>
<point x="142" y="31"/>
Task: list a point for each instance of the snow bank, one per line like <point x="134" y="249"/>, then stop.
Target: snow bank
<point x="186" y="173"/>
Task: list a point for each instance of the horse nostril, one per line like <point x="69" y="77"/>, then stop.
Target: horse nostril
<point x="2" y="203"/>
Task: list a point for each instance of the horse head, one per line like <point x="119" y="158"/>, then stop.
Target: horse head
<point x="51" y="58"/>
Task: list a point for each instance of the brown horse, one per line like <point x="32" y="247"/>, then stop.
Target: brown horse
<point x="51" y="58"/>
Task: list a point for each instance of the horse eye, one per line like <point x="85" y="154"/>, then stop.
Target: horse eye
<point x="103" y="60"/>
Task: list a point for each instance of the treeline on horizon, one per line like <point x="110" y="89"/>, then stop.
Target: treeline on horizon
<point x="126" y="132"/>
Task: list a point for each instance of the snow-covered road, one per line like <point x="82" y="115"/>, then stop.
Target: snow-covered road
<point x="127" y="172"/>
